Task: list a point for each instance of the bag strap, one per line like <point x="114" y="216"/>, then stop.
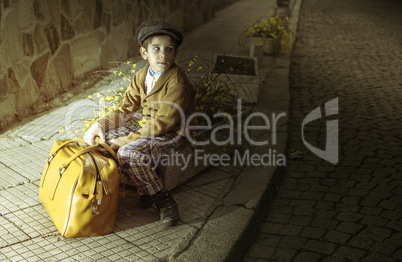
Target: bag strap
<point x="77" y="154"/>
<point x="81" y="140"/>
<point x="107" y="147"/>
<point x="66" y="143"/>
<point x="87" y="150"/>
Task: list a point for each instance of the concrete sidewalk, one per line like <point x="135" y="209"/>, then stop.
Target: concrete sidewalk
<point x="219" y="207"/>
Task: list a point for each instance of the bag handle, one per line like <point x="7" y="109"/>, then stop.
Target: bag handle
<point x="107" y="147"/>
<point x="81" y="140"/>
<point x="64" y="144"/>
<point x="99" y="142"/>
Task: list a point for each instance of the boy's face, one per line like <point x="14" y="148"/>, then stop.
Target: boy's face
<point x="160" y="53"/>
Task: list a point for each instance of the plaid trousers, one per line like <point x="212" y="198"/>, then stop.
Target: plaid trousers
<point x="139" y="158"/>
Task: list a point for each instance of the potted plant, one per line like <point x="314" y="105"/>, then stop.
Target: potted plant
<point x="270" y="31"/>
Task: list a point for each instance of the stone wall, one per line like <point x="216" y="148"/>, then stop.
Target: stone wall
<point x="46" y="45"/>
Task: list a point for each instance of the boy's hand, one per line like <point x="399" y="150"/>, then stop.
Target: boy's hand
<point x="94" y="131"/>
<point x="113" y="144"/>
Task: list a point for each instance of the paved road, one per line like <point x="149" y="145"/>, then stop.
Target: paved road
<point x="351" y="211"/>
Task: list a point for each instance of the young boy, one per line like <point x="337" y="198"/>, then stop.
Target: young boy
<point x="166" y="96"/>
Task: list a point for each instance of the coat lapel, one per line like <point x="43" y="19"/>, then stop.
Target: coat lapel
<point x="162" y="79"/>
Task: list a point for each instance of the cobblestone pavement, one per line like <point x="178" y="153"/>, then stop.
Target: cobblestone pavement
<point x="350" y="211"/>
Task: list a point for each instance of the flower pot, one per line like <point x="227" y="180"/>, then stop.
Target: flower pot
<point x="282" y="11"/>
<point x="241" y="72"/>
<point x="254" y="41"/>
<point x="271" y="45"/>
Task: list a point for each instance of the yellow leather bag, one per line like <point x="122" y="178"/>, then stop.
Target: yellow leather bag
<point x="79" y="188"/>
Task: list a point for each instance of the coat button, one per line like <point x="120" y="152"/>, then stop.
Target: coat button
<point x="145" y="101"/>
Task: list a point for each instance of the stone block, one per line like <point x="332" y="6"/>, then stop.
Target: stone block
<point x="107" y="21"/>
<point x="320" y="247"/>
<point x="11" y="37"/>
<point x="107" y="54"/>
<point x="27" y="97"/>
<point x="39" y="10"/>
<point x="119" y="42"/>
<point x="336" y="237"/>
<point x="4" y="88"/>
<point x="260" y="251"/>
<point x="63" y="67"/>
<point x="83" y="24"/>
<point x="51" y="84"/>
<point x="119" y="13"/>
<point x="71" y="8"/>
<point x="133" y="47"/>
<point x="349" y="227"/>
<point x="12" y="83"/>
<point x="27" y="44"/>
<point x="85" y="55"/>
<point x="53" y="10"/>
<point x="39" y="39"/>
<point x="98" y="14"/>
<point x="349" y="253"/>
<point x="26" y="15"/>
<point x="7" y="111"/>
<point x="52" y="36"/>
<point x="38" y="69"/>
<point x="22" y="71"/>
<point x="67" y="31"/>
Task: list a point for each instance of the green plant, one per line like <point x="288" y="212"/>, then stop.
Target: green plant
<point x="214" y="94"/>
<point x="106" y="101"/>
<point x="274" y="27"/>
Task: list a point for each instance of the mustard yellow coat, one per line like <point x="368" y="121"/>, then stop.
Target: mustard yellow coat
<point x="166" y="108"/>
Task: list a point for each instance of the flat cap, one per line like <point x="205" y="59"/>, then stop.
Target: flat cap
<point x="160" y="28"/>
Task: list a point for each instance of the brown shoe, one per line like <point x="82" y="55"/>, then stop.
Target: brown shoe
<point x="168" y="209"/>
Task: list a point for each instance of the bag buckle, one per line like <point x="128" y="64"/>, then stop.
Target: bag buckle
<point x="99" y="192"/>
<point x="50" y="158"/>
<point x="62" y="169"/>
<point x="94" y="209"/>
